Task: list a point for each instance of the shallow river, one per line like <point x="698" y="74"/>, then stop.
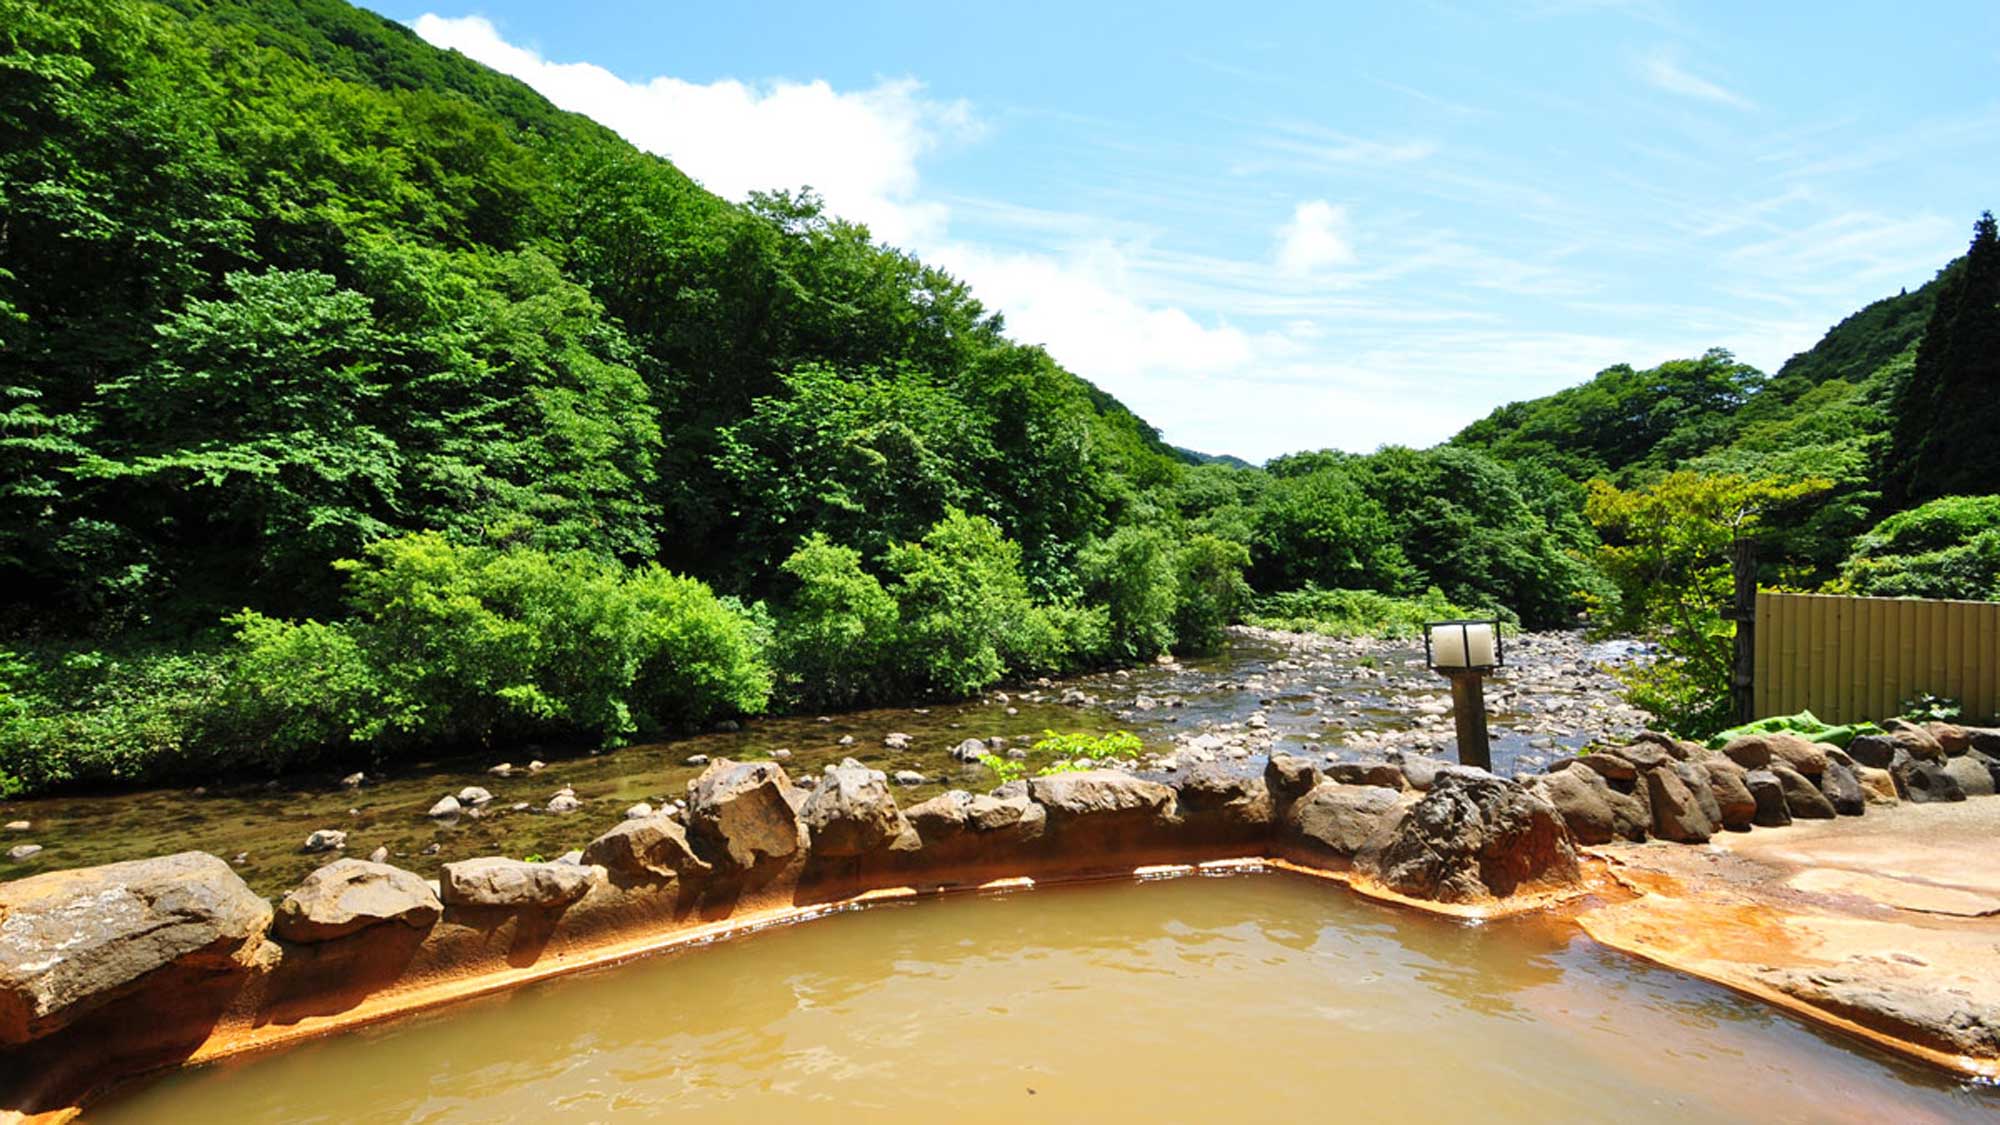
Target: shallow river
<point x="1350" y="698"/>
<point x="1239" y="998"/>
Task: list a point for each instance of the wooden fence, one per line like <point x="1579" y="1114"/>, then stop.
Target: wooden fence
<point x="1847" y="659"/>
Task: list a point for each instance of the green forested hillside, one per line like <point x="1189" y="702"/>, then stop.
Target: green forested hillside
<point x="356" y="401"/>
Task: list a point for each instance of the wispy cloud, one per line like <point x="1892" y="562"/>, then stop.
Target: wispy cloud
<point x="1663" y="70"/>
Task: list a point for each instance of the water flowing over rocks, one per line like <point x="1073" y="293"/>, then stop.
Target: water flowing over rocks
<point x="71" y="941"/>
<point x="350" y="895"/>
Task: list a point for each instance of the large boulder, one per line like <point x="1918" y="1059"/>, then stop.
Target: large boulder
<point x="1101" y="796"/>
<point x="1608" y="764"/>
<point x="1585" y="801"/>
<point x="1472" y="837"/>
<point x="1800" y="755"/>
<point x="1749" y="751"/>
<point x="1368" y="771"/>
<point x="1878" y="787"/>
<point x="1843" y="790"/>
<point x="1880" y="751"/>
<point x="850" y="812"/>
<point x="1678" y="814"/>
<point x="1733" y="801"/>
<point x="515" y="883"/>
<point x="1216" y="795"/>
<point x="1802" y="798"/>
<point x="1340" y="819"/>
<point x="654" y="847"/>
<point x="1769" y="794"/>
<point x="996" y="820"/>
<point x="1951" y="737"/>
<point x="350" y="895"/>
<point x="1921" y="743"/>
<point x="1290" y="776"/>
<point x="1974" y="772"/>
<point x="73" y="940"/>
<point x="1928" y="783"/>
<point x="745" y="813"/>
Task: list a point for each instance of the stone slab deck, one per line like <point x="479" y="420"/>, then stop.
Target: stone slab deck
<point x="1886" y="927"/>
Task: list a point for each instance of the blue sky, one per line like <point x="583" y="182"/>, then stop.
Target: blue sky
<point x="1276" y="227"/>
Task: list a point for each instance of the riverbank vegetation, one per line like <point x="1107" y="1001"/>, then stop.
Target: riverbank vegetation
<point x="355" y="402"/>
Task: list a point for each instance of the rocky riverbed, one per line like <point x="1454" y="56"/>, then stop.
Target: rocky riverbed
<point x="1337" y="700"/>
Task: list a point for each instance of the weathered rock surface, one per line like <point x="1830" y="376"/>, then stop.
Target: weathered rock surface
<point x="1607" y="764"/>
<point x="325" y="840"/>
<point x="1802" y="798"/>
<point x="1290" y="776"/>
<point x="655" y="846"/>
<point x="1594" y="812"/>
<point x="1749" y="751"/>
<point x="1921" y="744"/>
<point x="350" y="895"/>
<point x="1878" y="787"/>
<point x="1878" y="750"/>
<point x="1925" y="783"/>
<point x="1677" y="814"/>
<point x="1974" y="772"/>
<point x="1373" y="771"/>
<point x="497" y="881"/>
<point x="1473" y="837"/>
<point x="1102" y="795"/>
<point x="1945" y="1019"/>
<point x="1733" y="801"/>
<point x="1797" y="754"/>
<point x="744" y="813"/>
<point x="850" y="812"/>
<point x="1340" y="819"/>
<point x="1769" y="794"/>
<point x="1843" y="790"/>
<point x="1214" y="793"/>
<point x="971" y="750"/>
<point x="73" y="940"/>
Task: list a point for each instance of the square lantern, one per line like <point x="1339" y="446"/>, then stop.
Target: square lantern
<point x="1454" y="646"/>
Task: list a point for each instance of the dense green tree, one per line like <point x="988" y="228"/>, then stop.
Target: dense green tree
<point x="1948" y="410"/>
<point x="1321" y="528"/>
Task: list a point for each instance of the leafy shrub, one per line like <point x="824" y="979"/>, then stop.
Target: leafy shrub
<point x="1948" y="548"/>
<point x="298" y="688"/>
<point x="1006" y="769"/>
<point x="966" y="615"/>
<point x="1319" y="528"/>
<point x="1211" y="591"/>
<point x="836" y="634"/>
<point x="1134" y="575"/>
<point x="1088" y="747"/>
<point x="88" y="716"/>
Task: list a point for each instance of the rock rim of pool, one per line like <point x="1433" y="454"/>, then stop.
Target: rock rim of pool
<point x="111" y="970"/>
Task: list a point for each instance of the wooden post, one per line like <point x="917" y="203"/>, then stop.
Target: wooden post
<point x="1743" y="611"/>
<point x="1468" y="710"/>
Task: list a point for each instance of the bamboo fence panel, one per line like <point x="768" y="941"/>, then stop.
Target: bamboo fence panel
<point x="1847" y="659"/>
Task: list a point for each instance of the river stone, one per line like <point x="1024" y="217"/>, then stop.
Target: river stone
<point x="1679" y="748"/>
<point x="1013" y="818"/>
<point x="498" y="881"/>
<point x="1986" y="740"/>
<point x="1677" y="815"/>
<point x="744" y="812"/>
<point x="473" y="796"/>
<point x="941" y="817"/>
<point x="1802" y="798"/>
<point x="850" y="812"/>
<point x="1769" y="793"/>
<point x="1419" y="772"/>
<point x="1370" y="771"/>
<point x="1921" y="744"/>
<point x="1878" y="787"/>
<point x="19" y="852"/>
<point x="1796" y="754"/>
<point x="1843" y="790"/>
<point x="73" y="940"/>
<point x="1583" y="798"/>
<point x="1101" y="795"/>
<point x="325" y="840"/>
<point x="1951" y="738"/>
<point x="1927" y="783"/>
<point x="1974" y="772"/>
<point x="1341" y="818"/>
<point x="1749" y="751"/>
<point x="446" y="807"/>
<point x="969" y="751"/>
<point x="1732" y="797"/>
<point x="1607" y="764"/>
<point x="1645" y="755"/>
<point x="1471" y="838"/>
<point x="655" y="846"/>
<point x="350" y="895"/>
<point x="1290" y="776"/>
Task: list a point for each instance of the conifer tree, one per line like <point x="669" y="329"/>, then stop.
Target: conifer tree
<point x="1948" y="412"/>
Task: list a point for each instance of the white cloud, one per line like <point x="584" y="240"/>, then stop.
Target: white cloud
<point x="1663" y="71"/>
<point x="858" y="150"/>
<point x="1316" y="237"/>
